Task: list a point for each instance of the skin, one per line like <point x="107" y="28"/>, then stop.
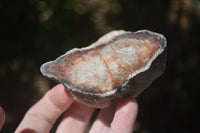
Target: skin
<point x="41" y="117"/>
<point x="2" y="117"/>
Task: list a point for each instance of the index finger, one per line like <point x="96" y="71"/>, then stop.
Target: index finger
<point x="44" y="113"/>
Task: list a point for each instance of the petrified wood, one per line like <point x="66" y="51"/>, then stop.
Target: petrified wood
<point x="118" y="65"/>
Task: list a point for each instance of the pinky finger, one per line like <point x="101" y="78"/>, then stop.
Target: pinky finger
<point x="2" y="117"/>
<point x="125" y="116"/>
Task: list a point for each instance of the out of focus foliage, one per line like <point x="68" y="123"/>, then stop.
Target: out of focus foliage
<point x="35" y="31"/>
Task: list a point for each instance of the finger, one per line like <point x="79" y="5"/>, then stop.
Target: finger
<point x="2" y="117"/>
<point x="125" y="116"/>
<point x="103" y="120"/>
<point x="76" y="119"/>
<point x="44" y="113"/>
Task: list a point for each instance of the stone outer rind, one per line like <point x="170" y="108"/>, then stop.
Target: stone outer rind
<point x="134" y="85"/>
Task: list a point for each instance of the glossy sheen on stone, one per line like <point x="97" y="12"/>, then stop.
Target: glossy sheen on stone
<point x="119" y="64"/>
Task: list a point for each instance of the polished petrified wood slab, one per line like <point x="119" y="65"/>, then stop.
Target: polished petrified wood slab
<point x="119" y="64"/>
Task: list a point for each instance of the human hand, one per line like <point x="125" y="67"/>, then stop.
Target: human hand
<point x="41" y="117"/>
<point x="2" y="117"/>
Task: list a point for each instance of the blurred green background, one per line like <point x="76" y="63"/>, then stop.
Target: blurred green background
<point x="35" y="31"/>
